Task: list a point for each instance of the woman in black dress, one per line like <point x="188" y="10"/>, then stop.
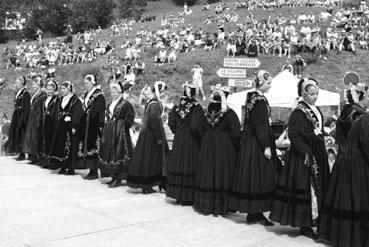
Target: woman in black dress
<point x="219" y="128"/>
<point x="30" y="145"/>
<point x="183" y="120"/>
<point x="146" y="168"/>
<point x="92" y="124"/>
<point x="116" y="145"/>
<point x="46" y="131"/>
<point x="20" y="116"/>
<point x="345" y="213"/>
<point x="303" y="179"/>
<point x="254" y="182"/>
<point x="67" y="130"/>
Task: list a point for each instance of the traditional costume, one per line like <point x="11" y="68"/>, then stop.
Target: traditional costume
<point x="19" y="121"/>
<point x="345" y="213"/>
<point x="254" y="181"/>
<point x="219" y="128"/>
<point x="30" y="145"/>
<point x="92" y="124"/>
<point x="67" y="131"/>
<point x="303" y="179"/>
<point x="183" y="121"/>
<point x="116" y="145"/>
<point x="46" y="130"/>
<point x="146" y="168"/>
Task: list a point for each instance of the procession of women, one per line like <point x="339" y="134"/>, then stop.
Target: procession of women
<point x="214" y="164"/>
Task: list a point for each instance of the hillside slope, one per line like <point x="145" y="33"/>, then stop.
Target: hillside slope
<point x="329" y="73"/>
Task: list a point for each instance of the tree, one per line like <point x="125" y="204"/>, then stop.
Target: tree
<point x="50" y="16"/>
<point x="131" y="8"/>
<point x="91" y="14"/>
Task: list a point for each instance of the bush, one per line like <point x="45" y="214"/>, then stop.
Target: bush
<point x="131" y="8"/>
<point x="181" y="2"/>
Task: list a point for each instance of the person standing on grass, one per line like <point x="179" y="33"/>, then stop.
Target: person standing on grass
<point x="18" y="125"/>
<point x="197" y="79"/>
<point x="92" y="124"/>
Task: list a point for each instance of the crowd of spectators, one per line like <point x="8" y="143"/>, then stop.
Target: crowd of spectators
<point x="331" y="30"/>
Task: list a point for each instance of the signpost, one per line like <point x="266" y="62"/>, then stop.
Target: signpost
<point x="241" y="62"/>
<point x="235" y="71"/>
<point x="240" y="83"/>
<point x="231" y="73"/>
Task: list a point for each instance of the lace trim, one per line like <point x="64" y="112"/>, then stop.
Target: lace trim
<point x="183" y="111"/>
<point x="91" y="152"/>
<point x="67" y="150"/>
<point x="213" y="119"/>
<point x="251" y="102"/>
<point x="92" y="99"/>
<point x="309" y="114"/>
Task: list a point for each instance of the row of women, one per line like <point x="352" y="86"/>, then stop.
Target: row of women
<point x="213" y="165"/>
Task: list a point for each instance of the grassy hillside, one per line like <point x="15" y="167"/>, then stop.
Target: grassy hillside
<point x="328" y="73"/>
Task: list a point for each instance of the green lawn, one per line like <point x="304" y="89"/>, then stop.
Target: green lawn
<point x="328" y="73"/>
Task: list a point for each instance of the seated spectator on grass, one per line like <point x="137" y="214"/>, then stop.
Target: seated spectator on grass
<point x="130" y="77"/>
<point x="205" y="6"/>
<point x="253" y="49"/>
<point x="139" y="67"/>
<point x="347" y="43"/>
<point x="161" y="57"/>
<point x="172" y="55"/>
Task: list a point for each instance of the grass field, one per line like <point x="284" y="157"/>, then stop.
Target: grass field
<point x="329" y="73"/>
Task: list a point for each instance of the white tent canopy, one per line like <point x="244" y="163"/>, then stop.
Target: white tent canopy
<point x="282" y="94"/>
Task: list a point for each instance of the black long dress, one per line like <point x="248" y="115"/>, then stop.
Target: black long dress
<point x="146" y="168"/>
<point x="65" y="143"/>
<point x="116" y="144"/>
<point x="345" y="214"/>
<point x="220" y="142"/>
<point x="183" y="120"/>
<point x="92" y="124"/>
<point x="301" y="185"/>
<point x="18" y="125"/>
<point x="46" y="129"/>
<point x="31" y="139"/>
<point x="254" y="180"/>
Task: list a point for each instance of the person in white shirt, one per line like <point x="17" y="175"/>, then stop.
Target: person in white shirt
<point x="172" y="55"/>
<point x="197" y="79"/>
<point x="162" y="56"/>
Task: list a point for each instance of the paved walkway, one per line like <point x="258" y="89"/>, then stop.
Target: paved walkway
<point x="39" y="209"/>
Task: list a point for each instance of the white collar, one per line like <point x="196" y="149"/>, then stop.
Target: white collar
<point x="89" y="94"/>
<point x="66" y="100"/>
<point x="113" y="105"/>
<point x="35" y="95"/>
<point x="19" y="92"/>
<point x="259" y="92"/>
<point x="47" y="101"/>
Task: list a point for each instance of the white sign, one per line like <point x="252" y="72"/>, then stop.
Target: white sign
<point x="241" y="62"/>
<point x="231" y="73"/>
<point x="240" y="83"/>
